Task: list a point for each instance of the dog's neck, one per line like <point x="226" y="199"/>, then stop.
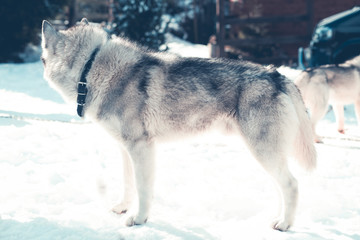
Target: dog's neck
<point x="82" y="88"/>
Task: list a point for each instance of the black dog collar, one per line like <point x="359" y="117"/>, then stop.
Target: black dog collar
<point x="82" y="89"/>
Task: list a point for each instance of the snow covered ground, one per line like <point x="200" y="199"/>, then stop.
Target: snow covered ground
<point x="60" y="176"/>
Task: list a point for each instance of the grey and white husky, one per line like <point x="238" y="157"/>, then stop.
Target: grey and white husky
<point x="337" y="85"/>
<point x="141" y="97"/>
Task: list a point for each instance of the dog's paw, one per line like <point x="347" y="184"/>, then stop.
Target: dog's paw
<point x="342" y="131"/>
<point x="281" y="225"/>
<point x="318" y="139"/>
<point x="135" y="220"/>
<point x="120" y="208"/>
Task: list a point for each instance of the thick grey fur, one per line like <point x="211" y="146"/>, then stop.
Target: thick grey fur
<point x="143" y="97"/>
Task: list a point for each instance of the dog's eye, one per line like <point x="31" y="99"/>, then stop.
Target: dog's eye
<point x="43" y="60"/>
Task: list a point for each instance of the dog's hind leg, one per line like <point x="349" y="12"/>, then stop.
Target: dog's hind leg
<point x="142" y="155"/>
<point x="339" y="115"/>
<point x="317" y="108"/>
<point x="129" y="184"/>
<point x="276" y="165"/>
<point x="289" y="190"/>
<point x="269" y="131"/>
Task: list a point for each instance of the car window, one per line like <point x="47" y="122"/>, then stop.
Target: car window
<point x="353" y="22"/>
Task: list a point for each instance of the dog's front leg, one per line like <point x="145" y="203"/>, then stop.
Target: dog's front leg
<point x="142" y="154"/>
<point x="339" y="115"/>
<point x="129" y="184"/>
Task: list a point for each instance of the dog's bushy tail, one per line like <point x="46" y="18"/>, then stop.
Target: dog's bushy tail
<point x="304" y="149"/>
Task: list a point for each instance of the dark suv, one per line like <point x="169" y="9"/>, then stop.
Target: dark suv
<point x="335" y="40"/>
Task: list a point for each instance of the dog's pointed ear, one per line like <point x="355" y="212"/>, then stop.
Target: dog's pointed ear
<point x="49" y="33"/>
<point x="84" y="21"/>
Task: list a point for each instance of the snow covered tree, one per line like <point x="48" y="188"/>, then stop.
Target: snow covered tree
<point x="140" y="21"/>
<point x="192" y="20"/>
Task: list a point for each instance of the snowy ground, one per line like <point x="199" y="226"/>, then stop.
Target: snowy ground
<point x="60" y="176"/>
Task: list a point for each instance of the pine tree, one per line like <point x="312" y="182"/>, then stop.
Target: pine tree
<point x="140" y="21"/>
